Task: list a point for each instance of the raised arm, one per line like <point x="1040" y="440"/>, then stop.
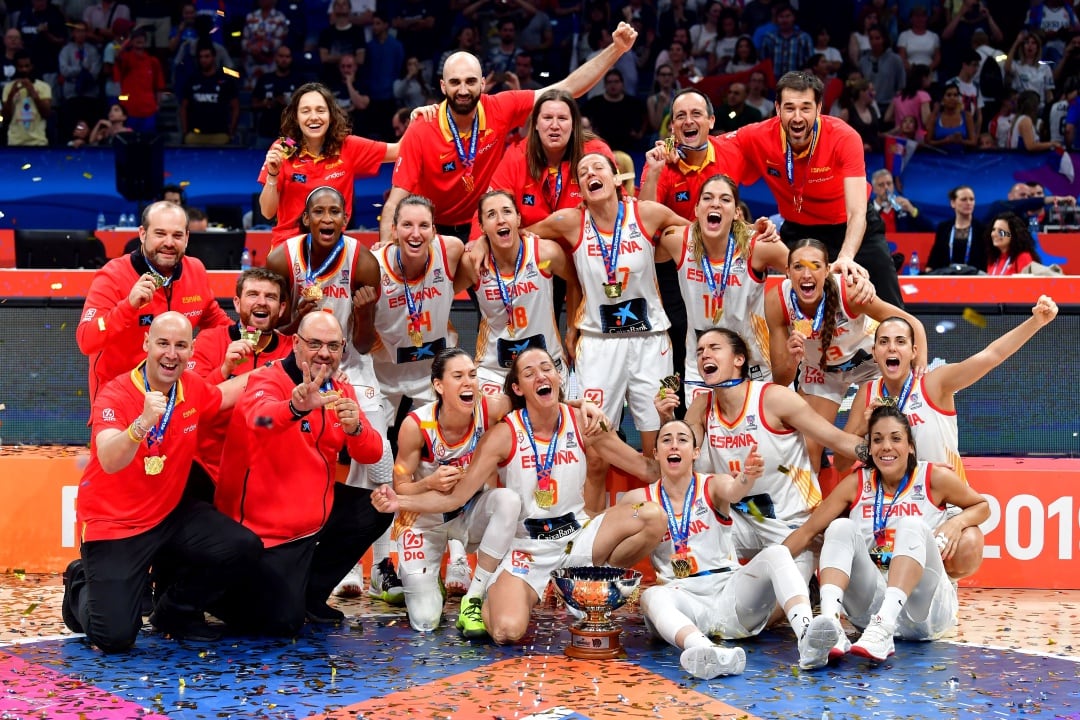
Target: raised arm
<point x="795" y="412"/>
<point x="591" y="71"/>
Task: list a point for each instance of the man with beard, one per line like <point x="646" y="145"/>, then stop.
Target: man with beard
<point x="451" y="159"/>
<point x="271" y="96"/>
<point x="130" y="291"/>
<point x="228" y="351"/>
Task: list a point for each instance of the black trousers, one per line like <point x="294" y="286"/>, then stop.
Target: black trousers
<point x="290" y="577"/>
<point x="206" y="550"/>
<point x="873" y="253"/>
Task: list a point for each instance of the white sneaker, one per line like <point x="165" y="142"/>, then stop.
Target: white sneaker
<point x="458" y="577"/>
<point x="817" y="642"/>
<point x="842" y="646"/>
<point x="707" y="662"/>
<point x="352" y="585"/>
<point x="876" y="642"/>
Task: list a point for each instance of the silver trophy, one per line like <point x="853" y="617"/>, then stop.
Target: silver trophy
<point x="595" y="591"/>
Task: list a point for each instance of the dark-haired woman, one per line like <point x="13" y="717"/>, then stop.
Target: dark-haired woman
<point x="1009" y="246"/>
<point x="813" y="305"/>
<point x="960" y="240"/>
<point x="887" y="537"/>
<point x="315" y="149"/>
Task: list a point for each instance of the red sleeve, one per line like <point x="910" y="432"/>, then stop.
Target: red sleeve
<point x="849" y="149"/>
<point x="411" y="155"/>
<point x="208" y="396"/>
<point x="111" y="408"/>
<point x="663" y="186"/>
<point x="106" y="312"/>
<point x="512" y="106"/>
<point x="364" y="155"/>
<point x="159" y="76"/>
<point x="731" y="155"/>
<point x="209" y="353"/>
<point x="265" y="403"/>
<point x="1023" y="260"/>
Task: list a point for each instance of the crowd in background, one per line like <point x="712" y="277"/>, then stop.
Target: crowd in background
<point x="946" y="73"/>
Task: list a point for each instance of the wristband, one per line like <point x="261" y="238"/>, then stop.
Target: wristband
<point x="270" y="174"/>
<point x="862" y="451"/>
<point x="359" y="429"/>
<point x="297" y="414"/>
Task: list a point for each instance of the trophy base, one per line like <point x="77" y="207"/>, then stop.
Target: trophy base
<point x="595" y="644"/>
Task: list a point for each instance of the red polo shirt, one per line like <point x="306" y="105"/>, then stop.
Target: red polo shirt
<point x="428" y="162"/>
<point x="128" y="502"/>
<point x="679" y="185"/>
<point x="302" y="173"/>
<point x="758" y="151"/>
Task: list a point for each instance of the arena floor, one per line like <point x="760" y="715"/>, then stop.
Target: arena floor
<point x="1015" y="655"/>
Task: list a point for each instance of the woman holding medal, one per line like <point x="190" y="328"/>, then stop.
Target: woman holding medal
<point x="539" y="452"/>
<point x="887" y="537"/>
<point x="315" y="149"/>
<point x="435" y="446"/>
<point x="929" y="402"/>
<point x="739" y="414"/>
<point x="731" y="294"/>
<point x="813" y="304"/>
<point x="704" y="591"/>
<point x="515" y="290"/>
<point x="960" y="240"/>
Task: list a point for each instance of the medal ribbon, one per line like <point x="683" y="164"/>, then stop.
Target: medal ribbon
<point x="723" y="384"/>
<point x="162" y="280"/>
<point x="467" y="160"/>
<point x="543" y="472"/>
<point x="967" y="252"/>
<point x="553" y="198"/>
<point x="881" y="518"/>
<point x="681" y="150"/>
<point x="680" y="531"/>
<point x="611" y="259"/>
<point x="414" y="306"/>
<point x="819" y="314"/>
<point x="506" y="294"/>
<point x="310" y="277"/>
<point x="789" y="154"/>
<point x="901" y="400"/>
<point x="157" y="433"/>
<point x="707" y="268"/>
<point x="996" y="270"/>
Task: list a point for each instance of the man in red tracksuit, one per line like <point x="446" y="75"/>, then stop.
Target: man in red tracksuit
<point x="130" y="291"/>
<point x="278" y="479"/>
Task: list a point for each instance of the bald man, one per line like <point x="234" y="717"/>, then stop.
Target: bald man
<point x="132" y="510"/>
<point x="278" y="478"/>
<point x="451" y="159"/>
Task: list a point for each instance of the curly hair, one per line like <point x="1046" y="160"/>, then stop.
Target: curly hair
<point x="340" y="125"/>
<point x="1021" y="241"/>
<point x="743" y="231"/>
<point x="831" y="297"/>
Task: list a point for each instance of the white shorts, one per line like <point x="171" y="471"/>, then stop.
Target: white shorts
<point x="360" y="369"/>
<point x="612" y="369"/>
<point x="834" y="385"/>
<point x="752" y="535"/>
<point x="408" y="380"/>
<point x="421" y="546"/>
<point x="534" y="560"/>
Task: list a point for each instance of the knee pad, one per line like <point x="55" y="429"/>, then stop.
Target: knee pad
<point x="423" y="601"/>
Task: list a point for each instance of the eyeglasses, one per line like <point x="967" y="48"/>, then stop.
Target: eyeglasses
<point x="316" y="345"/>
<point x="1003" y="233"/>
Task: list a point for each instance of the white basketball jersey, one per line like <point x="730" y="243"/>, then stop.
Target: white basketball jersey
<point x="937" y="439"/>
<point x="853" y="333"/>
<point x="709" y="539"/>
<point x="529" y="288"/>
<point x="637" y="308"/>
<point x="518" y="472"/>
<point x="789" y="480"/>
<point x="916" y="500"/>
<point x="743" y="303"/>
<point x="433" y="296"/>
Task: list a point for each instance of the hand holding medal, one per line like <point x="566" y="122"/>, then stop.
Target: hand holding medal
<point x="142" y="292"/>
<point x="445" y="478"/>
<point x="310" y="394"/>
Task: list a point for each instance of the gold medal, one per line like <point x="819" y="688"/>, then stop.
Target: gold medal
<point x="886" y="401"/>
<point x="803" y="326"/>
<point x="469" y="182"/>
<point x="510" y="329"/>
<point x="416" y="337"/>
<point x="680" y="565"/>
<point x="613" y="289"/>
<point x="669" y="144"/>
<point x="332" y="397"/>
<point x="159" y="280"/>
<point x="287" y="146"/>
<point x="312" y="292"/>
<point x="154" y="464"/>
<point x="671" y="382"/>
<point x="544" y="498"/>
<point x="717" y="314"/>
<point x="251" y="334"/>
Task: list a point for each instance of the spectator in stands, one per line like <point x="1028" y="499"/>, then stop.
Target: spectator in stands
<point x="972" y="16"/>
<point x="883" y="67"/>
<point x="121" y="34"/>
<point x="1059" y="111"/>
<point x="832" y="54"/>
<point x="756" y="86"/>
<point x="735" y="113"/>
<point x="100" y="17"/>
<point x="745" y="56"/>
<point x="617" y="117"/>
<point x="704" y="36"/>
<point x="415" y="22"/>
<point x="1024" y="134"/>
<point x="951" y="127"/>
<point x="410" y="90"/>
<point x="345" y="86"/>
<point x="185" y="30"/>
<point x="341" y="38"/>
<point x="271" y="97"/>
<point x="132" y="511"/>
<point x="960" y="240"/>
<point x="677" y="16"/>
<point x="198" y="222"/>
<point x="210" y="108"/>
<point x="12" y="44"/>
<point x="912" y="101"/>
<point x="860" y="111"/>
<point x="919" y="45"/>
<point x="523" y="68"/>
<point x="859" y="41"/>
<point x="834" y="86"/>
<point x="966" y="83"/>
<point x="1009" y="246"/>
<point x="265" y="30"/>
<point x="658" y="105"/>
<point x="1000" y="125"/>
<point x="626" y="64"/>
<point x="141" y="81"/>
<point x="1056" y="21"/>
<point x="80" y="66"/>
<point x="175" y="195"/>
<point x="896" y="211"/>
<point x="1024" y="65"/>
<point x="385" y="59"/>
<point x="1072" y="120"/>
<point x="466" y="40"/>
<point x="44" y="32"/>
<point x="110" y="126"/>
<point x="789" y="47"/>
<point x="400" y="122"/>
<point x="186" y="61"/>
<point x="886" y="15"/>
<point x="500" y="58"/>
<point x="80" y="135"/>
<point x="725" y="41"/>
<point x="536" y="36"/>
<point x="27" y="102"/>
<point x="1070" y="63"/>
